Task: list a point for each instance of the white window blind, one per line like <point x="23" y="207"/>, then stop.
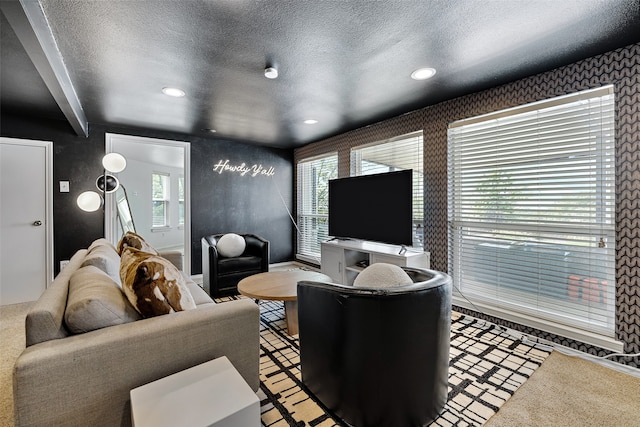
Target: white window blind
<point x="160" y="200"/>
<point x="181" y="200"/>
<point x="532" y="212"/>
<point x="313" y="203"/>
<point x="400" y="153"/>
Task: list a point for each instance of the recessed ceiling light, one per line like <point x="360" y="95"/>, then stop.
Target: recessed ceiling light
<point x="423" y="73"/>
<point x="209" y="130"/>
<point x="310" y="122"/>
<point x="173" y="91"/>
<point x="271" y="73"/>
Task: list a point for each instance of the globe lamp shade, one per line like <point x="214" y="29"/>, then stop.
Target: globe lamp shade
<point x="89" y="201"/>
<point x="114" y="162"/>
<point x="112" y="183"/>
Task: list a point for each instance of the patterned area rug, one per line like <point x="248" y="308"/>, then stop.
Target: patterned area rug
<point x="486" y="367"/>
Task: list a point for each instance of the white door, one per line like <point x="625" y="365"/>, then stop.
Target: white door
<point x="25" y="219"/>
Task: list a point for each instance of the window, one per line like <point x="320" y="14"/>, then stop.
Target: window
<point x="400" y="153"/>
<point x="531" y="215"/>
<point x="160" y="200"/>
<point x="313" y="203"/>
<point x="181" y="200"/>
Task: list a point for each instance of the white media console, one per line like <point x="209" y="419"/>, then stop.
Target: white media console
<point x="342" y="260"/>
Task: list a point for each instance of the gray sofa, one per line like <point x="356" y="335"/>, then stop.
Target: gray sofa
<point x="65" y="379"/>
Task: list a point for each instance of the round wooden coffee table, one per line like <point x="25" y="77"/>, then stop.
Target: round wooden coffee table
<point x="280" y="286"/>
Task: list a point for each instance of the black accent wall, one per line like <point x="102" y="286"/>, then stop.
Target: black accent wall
<point x="229" y="201"/>
<point x="220" y="202"/>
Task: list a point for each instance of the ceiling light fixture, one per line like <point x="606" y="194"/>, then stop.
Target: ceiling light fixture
<point x="423" y="73"/>
<point x="310" y="122"/>
<point x="173" y="91"/>
<point x="271" y="73"/>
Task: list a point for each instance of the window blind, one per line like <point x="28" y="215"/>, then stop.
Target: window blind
<point x="313" y="177"/>
<point x="181" y="200"/>
<point x="160" y="200"/>
<point x="532" y="212"/>
<point x="399" y="153"/>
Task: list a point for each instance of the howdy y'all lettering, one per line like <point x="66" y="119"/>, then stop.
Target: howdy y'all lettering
<point x="243" y="169"/>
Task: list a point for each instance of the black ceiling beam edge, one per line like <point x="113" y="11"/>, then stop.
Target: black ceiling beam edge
<point x="28" y="21"/>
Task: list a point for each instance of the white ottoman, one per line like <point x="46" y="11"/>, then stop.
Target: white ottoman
<point x="210" y="394"/>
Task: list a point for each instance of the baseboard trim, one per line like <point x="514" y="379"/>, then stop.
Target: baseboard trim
<point x="291" y="264"/>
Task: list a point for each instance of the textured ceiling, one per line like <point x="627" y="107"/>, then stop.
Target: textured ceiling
<point x="345" y="63"/>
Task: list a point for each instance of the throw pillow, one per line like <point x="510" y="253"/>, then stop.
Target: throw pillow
<point x="133" y="240"/>
<point x="231" y="245"/>
<point x="153" y="285"/>
<point x="95" y="301"/>
<point x="382" y="275"/>
<point x="106" y="259"/>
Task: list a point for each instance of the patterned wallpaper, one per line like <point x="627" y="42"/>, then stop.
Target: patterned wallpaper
<point x="621" y="68"/>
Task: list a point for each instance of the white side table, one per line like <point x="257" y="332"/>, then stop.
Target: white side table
<point x="210" y="394"/>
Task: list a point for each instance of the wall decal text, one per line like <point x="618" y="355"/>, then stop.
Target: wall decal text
<point x="243" y="169"/>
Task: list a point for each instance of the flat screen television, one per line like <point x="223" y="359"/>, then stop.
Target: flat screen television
<point x="372" y="207"/>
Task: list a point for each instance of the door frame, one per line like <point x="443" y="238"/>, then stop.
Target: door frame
<point x="48" y="221"/>
<point x="110" y="218"/>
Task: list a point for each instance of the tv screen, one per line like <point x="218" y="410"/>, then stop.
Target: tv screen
<point x="372" y="207"/>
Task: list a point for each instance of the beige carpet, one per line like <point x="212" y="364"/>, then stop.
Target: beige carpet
<point x="570" y="391"/>
<point x="13" y="342"/>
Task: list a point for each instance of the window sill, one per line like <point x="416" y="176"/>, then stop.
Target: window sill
<point x="160" y="229"/>
<point x="309" y="259"/>
<point x="592" y="338"/>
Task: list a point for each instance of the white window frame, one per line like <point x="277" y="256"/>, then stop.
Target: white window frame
<point x="586" y="135"/>
<point x="165" y="200"/>
<point x="394" y="154"/>
<point x="181" y="203"/>
<point x="312" y="210"/>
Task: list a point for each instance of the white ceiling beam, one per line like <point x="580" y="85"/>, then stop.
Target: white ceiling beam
<point x="28" y="21"/>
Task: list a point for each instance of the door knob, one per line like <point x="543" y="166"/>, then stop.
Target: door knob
<point x="37" y="223"/>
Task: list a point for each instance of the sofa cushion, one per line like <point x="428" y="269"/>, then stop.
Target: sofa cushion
<point x="198" y="294"/>
<point x="175" y="257"/>
<point x="100" y="242"/>
<point x="239" y="264"/>
<point x="382" y="275"/>
<point x="106" y="259"/>
<point x="133" y="240"/>
<point x="45" y="320"/>
<point x="231" y="245"/>
<point x="96" y="301"/>
<point x="153" y="285"/>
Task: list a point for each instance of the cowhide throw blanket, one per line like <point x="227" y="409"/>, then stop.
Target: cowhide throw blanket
<point x="133" y="240"/>
<point x="152" y="284"/>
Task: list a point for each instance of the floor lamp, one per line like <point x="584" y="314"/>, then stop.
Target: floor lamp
<point x="91" y="201"/>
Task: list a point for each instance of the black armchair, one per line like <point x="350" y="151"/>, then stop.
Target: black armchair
<point x="220" y="275"/>
<point x="378" y="357"/>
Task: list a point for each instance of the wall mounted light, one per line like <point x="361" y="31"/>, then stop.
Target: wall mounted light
<point x="91" y="201"/>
